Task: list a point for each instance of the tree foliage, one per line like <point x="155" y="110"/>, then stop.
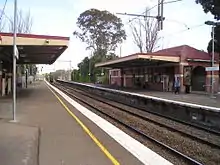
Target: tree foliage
<point x="24" y="22"/>
<point x="100" y="30"/>
<point x="212" y="6"/>
<point x="24" y="25"/>
<point x="217" y="41"/>
<point x="86" y="69"/>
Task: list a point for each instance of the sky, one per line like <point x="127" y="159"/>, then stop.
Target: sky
<point x="56" y="17"/>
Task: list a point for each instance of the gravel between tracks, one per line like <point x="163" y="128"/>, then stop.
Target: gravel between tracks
<point x="204" y="135"/>
<point x="198" y="151"/>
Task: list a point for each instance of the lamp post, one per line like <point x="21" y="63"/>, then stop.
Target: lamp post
<point x="213" y="24"/>
<point x="15" y="56"/>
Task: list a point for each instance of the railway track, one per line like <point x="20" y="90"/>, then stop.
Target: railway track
<point x="213" y="144"/>
<point x="186" y="158"/>
<point x="200" y="127"/>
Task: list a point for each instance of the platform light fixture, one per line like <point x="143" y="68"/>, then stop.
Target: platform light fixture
<point x="47" y="41"/>
<point x="213" y="24"/>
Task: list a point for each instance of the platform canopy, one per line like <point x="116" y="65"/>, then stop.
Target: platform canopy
<point x="33" y="49"/>
<point x="140" y="59"/>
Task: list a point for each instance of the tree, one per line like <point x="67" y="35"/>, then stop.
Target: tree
<point x="2" y="23"/>
<point x="87" y="71"/>
<point x="137" y="35"/>
<point x="75" y="75"/>
<point x="84" y="69"/>
<point x="217" y="41"/>
<point x="24" y="22"/>
<point x="24" y="25"/>
<point x="212" y="6"/>
<point x="145" y="34"/>
<point x="100" y="30"/>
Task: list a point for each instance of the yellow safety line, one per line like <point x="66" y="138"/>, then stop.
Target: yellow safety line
<point x="106" y="152"/>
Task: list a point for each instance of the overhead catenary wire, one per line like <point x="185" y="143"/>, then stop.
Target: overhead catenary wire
<point x="179" y="22"/>
<point x="181" y="31"/>
<point x="173" y="1"/>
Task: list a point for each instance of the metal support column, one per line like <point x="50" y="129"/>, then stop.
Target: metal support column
<point x="14" y="60"/>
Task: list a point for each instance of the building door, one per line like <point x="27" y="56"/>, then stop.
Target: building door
<point x="198" y="78"/>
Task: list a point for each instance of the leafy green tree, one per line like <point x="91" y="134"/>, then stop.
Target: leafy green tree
<point x="75" y="76"/>
<point x="86" y="69"/>
<point x="100" y="30"/>
<point x="217" y="41"/>
<point x="212" y="6"/>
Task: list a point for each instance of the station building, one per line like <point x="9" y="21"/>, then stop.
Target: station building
<point x="158" y="70"/>
<point x="33" y="49"/>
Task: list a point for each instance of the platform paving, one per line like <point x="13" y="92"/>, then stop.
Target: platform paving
<point x="62" y="140"/>
<point x="199" y="98"/>
<point x="18" y="144"/>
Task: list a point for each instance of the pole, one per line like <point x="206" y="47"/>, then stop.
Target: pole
<point x="70" y="72"/>
<point x="159" y="14"/>
<point x="120" y="50"/>
<point x="213" y="58"/>
<point x="161" y="18"/>
<point x="14" y="60"/>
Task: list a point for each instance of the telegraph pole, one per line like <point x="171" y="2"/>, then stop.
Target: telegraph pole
<point x="158" y="14"/>
<point x="161" y="14"/>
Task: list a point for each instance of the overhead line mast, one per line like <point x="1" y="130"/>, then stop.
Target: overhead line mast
<point x="159" y="17"/>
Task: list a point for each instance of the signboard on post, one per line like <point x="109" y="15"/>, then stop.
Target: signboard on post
<point x="214" y="68"/>
<point x="16" y="52"/>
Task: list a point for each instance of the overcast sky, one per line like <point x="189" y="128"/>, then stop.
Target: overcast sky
<point x="58" y="17"/>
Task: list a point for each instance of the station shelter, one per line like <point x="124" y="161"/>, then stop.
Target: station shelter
<point x="158" y="70"/>
<point x="32" y="49"/>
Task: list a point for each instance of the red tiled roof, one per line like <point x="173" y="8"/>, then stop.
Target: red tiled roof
<point x="185" y="50"/>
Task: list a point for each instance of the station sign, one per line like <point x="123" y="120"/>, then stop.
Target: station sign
<point x="214" y="68"/>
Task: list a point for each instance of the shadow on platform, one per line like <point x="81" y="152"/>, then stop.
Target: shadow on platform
<point x="6" y="102"/>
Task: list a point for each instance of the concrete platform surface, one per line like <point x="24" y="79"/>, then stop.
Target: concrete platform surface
<point x="18" y="144"/>
<point x="62" y="140"/>
<point x="199" y="98"/>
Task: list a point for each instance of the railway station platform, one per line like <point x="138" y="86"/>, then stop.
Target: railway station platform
<point x="195" y="98"/>
<point x="63" y="138"/>
<point x="202" y="99"/>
